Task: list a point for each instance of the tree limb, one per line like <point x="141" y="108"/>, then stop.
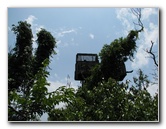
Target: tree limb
<point x="137" y="13"/>
<point x="20" y="114"/>
<point x="129" y="71"/>
<point x="151" y="53"/>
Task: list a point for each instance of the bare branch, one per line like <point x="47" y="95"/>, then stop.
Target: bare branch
<point x="137" y="13"/>
<point x="151" y="53"/>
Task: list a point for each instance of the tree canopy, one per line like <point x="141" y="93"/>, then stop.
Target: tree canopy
<point x="27" y="79"/>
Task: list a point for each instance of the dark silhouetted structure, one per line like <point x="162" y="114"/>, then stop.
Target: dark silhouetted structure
<point x="84" y="62"/>
<point x="115" y="69"/>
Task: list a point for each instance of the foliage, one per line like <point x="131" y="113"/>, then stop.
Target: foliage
<point x="29" y="105"/>
<point x="114" y="55"/>
<point x="46" y="44"/>
<point x="110" y="101"/>
<point x="21" y="56"/>
<point x="27" y="93"/>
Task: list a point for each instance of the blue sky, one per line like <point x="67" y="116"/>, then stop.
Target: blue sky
<point x="86" y="30"/>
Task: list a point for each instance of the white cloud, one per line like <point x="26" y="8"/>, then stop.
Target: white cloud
<point x="125" y="16"/>
<point x="55" y="85"/>
<point x="91" y="36"/>
<point x="30" y="19"/>
<point x="63" y="39"/>
<point x="63" y="82"/>
<point x="38" y="28"/>
<point x="153" y="89"/>
<point x="63" y="44"/>
<point x="147" y="12"/>
<point x="149" y="34"/>
<point x="140" y="58"/>
<point x="63" y="32"/>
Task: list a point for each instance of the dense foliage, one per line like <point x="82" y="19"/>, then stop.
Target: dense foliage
<point x="21" y="56"/>
<point x="109" y="101"/>
<point x="27" y="77"/>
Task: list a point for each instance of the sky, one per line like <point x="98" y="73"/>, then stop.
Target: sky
<point x="86" y="30"/>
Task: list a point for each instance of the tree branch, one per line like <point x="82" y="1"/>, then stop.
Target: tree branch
<point x="137" y="13"/>
<point x="20" y="114"/>
<point x="129" y="71"/>
<point x="151" y="53"/>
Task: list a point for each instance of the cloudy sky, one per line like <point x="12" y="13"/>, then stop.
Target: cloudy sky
<point x="86" y="30"/>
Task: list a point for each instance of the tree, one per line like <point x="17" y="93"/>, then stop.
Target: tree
<point x="114" y="55"/>
<point x="20" y="58"/>
<point x="27" y="80"/>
